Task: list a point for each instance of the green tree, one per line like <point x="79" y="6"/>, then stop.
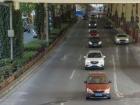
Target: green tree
<point x="27" y="7"/>
<point x="39" y="20"/>
<point x="4" y="26"/>
<point x="18" y="39"/>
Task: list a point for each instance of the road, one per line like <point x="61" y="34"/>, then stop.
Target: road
<point x="59" y="80"/>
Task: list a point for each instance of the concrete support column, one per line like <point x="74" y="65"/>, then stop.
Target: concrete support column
<point x="113" y="9"/>
<point x="128" y="12"/>
<point x="138" y="10"/>
<point x="120" y="10"/>
<point x="108" y="9"/>
<point x="46" y="23"/>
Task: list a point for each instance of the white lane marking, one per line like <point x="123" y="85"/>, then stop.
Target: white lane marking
<point x="117" y="92"/>
<point x="80" y="57"/>
<point x="72" y="74"/>
<point x="61" y="103"/>
<point x="64" y="57"/>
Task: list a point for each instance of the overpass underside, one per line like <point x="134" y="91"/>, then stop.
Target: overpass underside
<point x="75" y="1"/>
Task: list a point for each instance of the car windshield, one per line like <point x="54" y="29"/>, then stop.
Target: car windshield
<point x="95" y="39"/>
<point x="122" y="35"/>
<point x="97" y="79"/>
<point x="94" y="55"/>
<point x="92" y="22"/>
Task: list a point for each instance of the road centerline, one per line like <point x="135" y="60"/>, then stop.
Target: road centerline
<point x="72" y="75"/>
<point x="117" y="92"/>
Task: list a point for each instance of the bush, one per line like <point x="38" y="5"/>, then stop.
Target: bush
<point x="4" y="62"/>
<point x="35" y="45"/>
<point x="27" y="55"/>
<point x="6" y="71"/>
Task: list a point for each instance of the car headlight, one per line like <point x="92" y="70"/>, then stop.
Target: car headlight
<point x="87" y="62"/>
<point x="90" y="91"/>
<point x="117" y="39"/>
<point x="90" y="42"/>
<point x="100" y="42"/>
<point x="95" y="24"/>
<point x="89" y="24"/>
<point x="107" y="91"/>
<point x="127" y="39"/>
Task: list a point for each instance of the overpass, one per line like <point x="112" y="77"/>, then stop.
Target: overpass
<point x="75" y="1"/>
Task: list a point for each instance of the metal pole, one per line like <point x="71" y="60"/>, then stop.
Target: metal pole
<point x="11" y="38"/>
<point x="47" y="23"/>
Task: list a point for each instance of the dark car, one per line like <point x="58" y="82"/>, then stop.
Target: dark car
<point x="108" y="25"/>
<point x="94" y="42"/>
<point x="92" y="24"/>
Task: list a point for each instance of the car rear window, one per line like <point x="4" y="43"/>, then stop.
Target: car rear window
<point x="97" y="79"/>
<point x="95" y="39"/>
<point x="122" y="35"/>
<point x="94" y="55"/>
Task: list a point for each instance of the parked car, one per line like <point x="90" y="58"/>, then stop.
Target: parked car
<point x="122" y="38"/>
<point x="94" y="42"/>
<point x="93" y="33"/>
<point x="94" y="59"/>
<point x="97" y="85"/>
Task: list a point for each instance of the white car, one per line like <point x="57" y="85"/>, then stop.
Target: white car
<point x="122" y="39"/>
<point x="94" y="59"/>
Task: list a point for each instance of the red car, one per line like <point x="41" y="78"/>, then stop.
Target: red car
<point x="93" y="33"/>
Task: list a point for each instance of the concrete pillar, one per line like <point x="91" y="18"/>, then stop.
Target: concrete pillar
<point x="128" y="12"/>
<point x="120" y="10"/>
<point x="46" y="23"/>
<point x="139" y="14"/>
<point x="113" y="9"/>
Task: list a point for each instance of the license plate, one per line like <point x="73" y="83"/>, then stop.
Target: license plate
<point x="98" y="94"/>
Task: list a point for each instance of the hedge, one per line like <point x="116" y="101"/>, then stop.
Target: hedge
<point x="35" y="45"/>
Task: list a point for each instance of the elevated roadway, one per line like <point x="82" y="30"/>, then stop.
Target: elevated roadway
<point x="75" y="1"/>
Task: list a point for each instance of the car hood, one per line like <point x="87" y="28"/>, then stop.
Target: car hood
<point x="98" y="87"/>
<point x="94" y="59"/>
<point x="122" y="38"/>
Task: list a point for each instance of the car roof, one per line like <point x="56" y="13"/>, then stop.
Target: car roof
<point x="122" y="34"/>
<point x="97" y="73"/>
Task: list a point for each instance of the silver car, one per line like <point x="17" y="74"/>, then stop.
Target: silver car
<point x="122" y="39"/>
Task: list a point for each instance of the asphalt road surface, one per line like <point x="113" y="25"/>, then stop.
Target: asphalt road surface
<point x="60" y="79"/>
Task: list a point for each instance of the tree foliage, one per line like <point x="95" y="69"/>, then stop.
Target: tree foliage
<point x="39" y="20"/>
<point x="18" y="39"/>
<point x="27" y="7"/>
<point x="4" y="26"/>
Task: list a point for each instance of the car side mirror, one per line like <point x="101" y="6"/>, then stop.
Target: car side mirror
<point x="104" y="56"/>
<point x="85" y="57"/>
<point x="85" y="81"/>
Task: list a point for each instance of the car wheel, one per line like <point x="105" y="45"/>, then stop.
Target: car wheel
<point x="87" y="98"/>
<point x="109" y="97"/>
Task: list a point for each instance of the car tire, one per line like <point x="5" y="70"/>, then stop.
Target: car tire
<point x="109" y="97"/>
<point x="87" y="98"/>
